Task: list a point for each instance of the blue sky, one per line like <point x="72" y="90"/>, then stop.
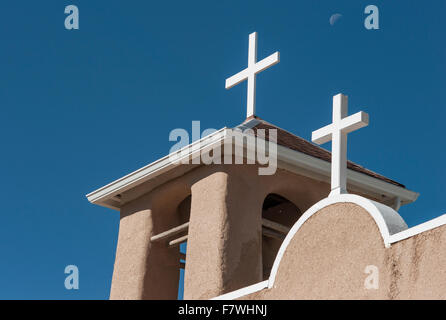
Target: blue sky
<point x="81" y="108"/>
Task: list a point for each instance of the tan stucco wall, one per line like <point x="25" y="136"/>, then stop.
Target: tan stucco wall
<point x="225" y="238"/>
<point x="224" y="245"/>
<point x="224" y="250"/>
<point x="146" y="270"/>
<point x="327" y="257"/>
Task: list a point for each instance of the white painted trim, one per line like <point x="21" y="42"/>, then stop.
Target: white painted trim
<point x="384" y="218"/>
<point x="426" y="226"/>
<point x="243" y="291"/>
<point x="358" y="179"/>
<point x="150" y="171"/>
<point x="300" y="163"/>
<point x="388" y="222"/>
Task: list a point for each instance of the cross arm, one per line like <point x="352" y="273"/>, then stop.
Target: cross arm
<point x="267" y="62"/>
<point x="322" y="135"/>
<point x="258" y="67"/>
<point x="237" y="78"/>
<point x="355" y="122"/>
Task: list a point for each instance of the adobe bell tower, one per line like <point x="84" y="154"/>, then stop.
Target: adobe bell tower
<point x="232" y="217"/>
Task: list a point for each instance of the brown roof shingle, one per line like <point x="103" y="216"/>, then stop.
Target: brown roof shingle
<point x="291" y="141"/>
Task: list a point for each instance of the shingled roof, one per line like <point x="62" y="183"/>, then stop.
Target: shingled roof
<point x="291" y="141"/>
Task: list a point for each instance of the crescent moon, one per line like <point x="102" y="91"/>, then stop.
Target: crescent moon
<point x="334" y="18"/>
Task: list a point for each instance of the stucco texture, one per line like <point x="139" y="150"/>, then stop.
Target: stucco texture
<point x="328" y="256"/>
<point x="325" y="260"/>
<point x="224" y="248"/>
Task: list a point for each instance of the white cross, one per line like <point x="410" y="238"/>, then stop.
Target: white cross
<point x="249" y="73"/>
<point x="337" y="133"/>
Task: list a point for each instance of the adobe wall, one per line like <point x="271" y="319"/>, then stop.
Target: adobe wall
<point x="327" y="257"/>
<point x="224" y="245"/>
<point x="143" y="269"/>
<point x="420" y="266"/>
<point x="225" y="236"/>
<point x="224" y="251"/>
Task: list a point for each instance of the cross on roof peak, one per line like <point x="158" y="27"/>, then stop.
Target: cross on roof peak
<point x="250" y="73"/>
<point x="337" y="133"/>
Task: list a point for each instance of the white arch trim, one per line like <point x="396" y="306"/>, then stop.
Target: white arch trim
<point x="389" y="222"/>
<point x="391" y="226"/>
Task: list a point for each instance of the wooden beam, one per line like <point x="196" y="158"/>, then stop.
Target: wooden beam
<point x="182" y="256"/>
<point x="182" y="265"/>
<point x="275" y="226"/>
<point x="117" y="198"/>
<point x="272" y="234"/>
<point x="170" y="232"/>
<point x="178" y="241"/>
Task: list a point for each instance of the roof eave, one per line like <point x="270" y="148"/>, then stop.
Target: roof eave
<point x="102" y="195"/>
<point x="288" y="159"/>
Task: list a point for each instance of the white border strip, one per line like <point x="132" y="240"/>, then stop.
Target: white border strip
<point x="426" y="226"/>
<point x="385" y="217"/>
<point x="368" y="184"/>
<point x="153" y="169"/>
<point x="243" y="291"/>
<point x="387" y="220"/>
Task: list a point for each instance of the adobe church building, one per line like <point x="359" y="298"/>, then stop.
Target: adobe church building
<point x="315" y="229"/>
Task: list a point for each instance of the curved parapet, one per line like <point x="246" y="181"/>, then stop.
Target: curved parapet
<point x="388" y="221"/>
